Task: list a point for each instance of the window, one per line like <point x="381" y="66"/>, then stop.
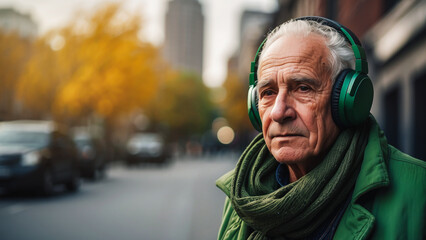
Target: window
<point x="392" y="116"/>
<point x="420" y="116"/>
<point x="388" y="5"/>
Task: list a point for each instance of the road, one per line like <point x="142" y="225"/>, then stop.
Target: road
<point x="177" y="201"/>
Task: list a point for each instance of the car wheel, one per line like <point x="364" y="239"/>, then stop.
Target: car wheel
<point x="47" y="184"/>
<point x="102" y="172"/>
<point x="74" y="183"/>
<point x="94" y="173"/>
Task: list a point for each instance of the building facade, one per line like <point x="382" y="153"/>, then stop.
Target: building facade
<point x="184" y="35"/>
<point x="13" y="21"/>
<point x="396" y="47"/>
<point x="252" y="25"/>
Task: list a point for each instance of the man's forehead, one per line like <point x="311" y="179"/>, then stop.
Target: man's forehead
<point x="297" y="50"/>
<point x="296" y="46"/>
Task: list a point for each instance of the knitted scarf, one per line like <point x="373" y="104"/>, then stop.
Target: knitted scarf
<point x="296" y="210"/>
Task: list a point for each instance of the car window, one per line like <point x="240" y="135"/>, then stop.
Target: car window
<point x="145" y="142"/>
<point x="23" y="138"/>
<point x="146" y="138"/>
<point x="82" y="142"/>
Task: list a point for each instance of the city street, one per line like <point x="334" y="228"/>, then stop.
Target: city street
<point x="176" y="201"/>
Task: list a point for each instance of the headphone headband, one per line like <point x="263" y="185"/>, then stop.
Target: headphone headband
<point x="254" y="65"/>
<point x="361" y="64"/>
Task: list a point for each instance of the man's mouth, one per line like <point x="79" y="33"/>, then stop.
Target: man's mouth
<point x="288" y="135"/>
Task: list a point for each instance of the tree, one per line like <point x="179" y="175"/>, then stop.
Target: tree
<point x="182" y="105"/>
<point x="235" y="104"/>
<point x="101" y="68"/>
<point x="235" y="110"/>
<point x="14" y="54"/>
<point x="38" y="84"/>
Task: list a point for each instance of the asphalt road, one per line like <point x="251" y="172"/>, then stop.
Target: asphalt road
<point x="177" y="201"/>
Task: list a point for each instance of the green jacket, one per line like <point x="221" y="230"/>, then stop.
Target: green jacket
<point x="388" y="202"/>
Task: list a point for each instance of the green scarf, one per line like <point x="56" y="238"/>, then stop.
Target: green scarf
<point x="296" y="210"/>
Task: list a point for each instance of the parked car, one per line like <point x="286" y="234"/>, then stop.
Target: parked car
<point x="146" y="148"/>
<point x="36" y="155"/>
<point x="92" y="158"/>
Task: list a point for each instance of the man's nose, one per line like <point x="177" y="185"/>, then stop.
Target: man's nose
<point x="283" y="108"/>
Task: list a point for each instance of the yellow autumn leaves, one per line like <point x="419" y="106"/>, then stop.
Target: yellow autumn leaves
<point x="106" y="70"/>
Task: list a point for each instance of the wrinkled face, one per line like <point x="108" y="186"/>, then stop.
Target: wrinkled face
<point x="294" y="99"/>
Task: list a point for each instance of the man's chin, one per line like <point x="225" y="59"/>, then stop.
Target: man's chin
<point x="288" y="157"/>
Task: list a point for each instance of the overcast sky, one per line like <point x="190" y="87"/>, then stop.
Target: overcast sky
<point x="221" y="23"/>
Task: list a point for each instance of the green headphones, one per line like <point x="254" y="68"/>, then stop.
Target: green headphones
<point x="352" y="93"/>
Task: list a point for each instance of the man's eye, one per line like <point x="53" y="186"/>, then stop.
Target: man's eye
<point x="304" y="88"/>
<point x="266" y="93"/>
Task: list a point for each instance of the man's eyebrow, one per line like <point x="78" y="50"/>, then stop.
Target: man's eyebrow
<point x="264" y="83"/>
<point x="309" y="81"/>
<point x="267" y="82"/>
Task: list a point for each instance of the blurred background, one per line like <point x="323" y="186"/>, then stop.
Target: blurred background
<point x="116" y="117"/>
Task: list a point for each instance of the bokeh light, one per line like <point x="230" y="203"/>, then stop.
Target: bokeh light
<point x="57" y="42"/>
<point x="225" y="135"/>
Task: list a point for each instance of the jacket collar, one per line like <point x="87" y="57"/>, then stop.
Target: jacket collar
<point x="373" y="173"/>
<point x="358" y="221"/>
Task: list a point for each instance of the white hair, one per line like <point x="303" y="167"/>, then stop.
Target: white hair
<point x="341" y="53"/>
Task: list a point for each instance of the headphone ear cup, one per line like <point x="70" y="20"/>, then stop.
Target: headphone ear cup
<point x="252" y="101"/>
<point x="358" y="98"/>
<point x="335" y="97"/>
<point x="351" y="98"/>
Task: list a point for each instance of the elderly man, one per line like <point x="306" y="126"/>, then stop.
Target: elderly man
<point x="321" y="169"/>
